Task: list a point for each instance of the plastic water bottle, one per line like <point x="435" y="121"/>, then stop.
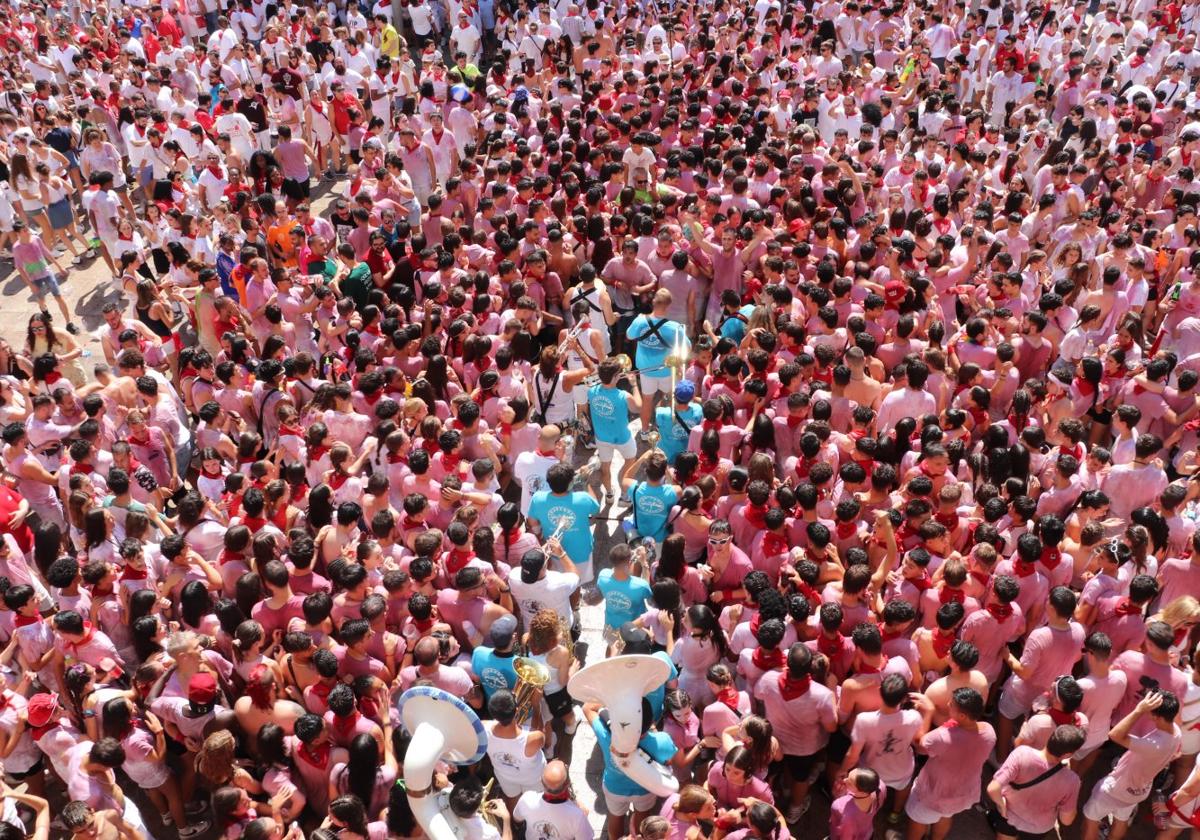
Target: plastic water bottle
<point x="1158" y="807"/>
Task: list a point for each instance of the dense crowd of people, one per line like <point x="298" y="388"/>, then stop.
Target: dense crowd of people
<point x="891" y="312"/>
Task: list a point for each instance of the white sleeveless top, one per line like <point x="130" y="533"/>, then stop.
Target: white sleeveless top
<point x="514" y="770"/>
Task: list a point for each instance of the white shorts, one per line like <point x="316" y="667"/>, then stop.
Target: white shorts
<point x="604" y="451"/>
<point x="925" y="813"/>
<point x="652" y="385"/>
<point x="1103" y="804"/>
<point x="1016" y="698"/>
<point x="899" y="784"/>
<point x="619" y="806"/>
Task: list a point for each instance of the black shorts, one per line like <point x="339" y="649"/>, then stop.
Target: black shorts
<point x="297" y="190"/>
<point x="839" y="745"/>
<point x="559" y="702"/>
<point x="36" y="770"/>
<point x="798" y="767"/>
<point x="1001" y="826"/>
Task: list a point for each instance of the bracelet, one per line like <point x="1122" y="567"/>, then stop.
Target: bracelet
<point x="506" y="591"/>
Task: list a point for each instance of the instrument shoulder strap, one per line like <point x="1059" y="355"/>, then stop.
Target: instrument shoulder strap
<point x="654" y="330"/>
<point x="544" y="400"/>
<point x="582" y="295"/>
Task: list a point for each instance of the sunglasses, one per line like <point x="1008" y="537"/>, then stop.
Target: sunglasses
<point x="718" y="541"/>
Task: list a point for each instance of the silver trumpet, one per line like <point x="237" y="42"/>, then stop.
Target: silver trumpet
<point x="572" y="334"/>
<point x="560" y="529"/>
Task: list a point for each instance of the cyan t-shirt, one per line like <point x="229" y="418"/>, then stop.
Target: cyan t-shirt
<point x="578" y="506"/>
<point x="735" y="328"/>
<point x="495" y="672"/>
<point x="610" y="414"/>
<point x="674" y="434"/>
<point x="652" y="350"/>
<point x="652" y="508"/>
<point x="624" y="600"/>
<point x="657" y="745"/>
<point x="658" y="695"/>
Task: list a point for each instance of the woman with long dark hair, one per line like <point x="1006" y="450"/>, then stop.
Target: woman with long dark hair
<point x="367" y="774"/>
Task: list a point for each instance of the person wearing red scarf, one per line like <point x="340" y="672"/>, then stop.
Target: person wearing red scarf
<point x="803" y="713"/>
<point x="1065" y="699"/>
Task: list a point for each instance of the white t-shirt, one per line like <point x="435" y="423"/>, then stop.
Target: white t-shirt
<point x="552" y="591"/>
<point x="530" y="472"/>
<point x="544" y="820"/>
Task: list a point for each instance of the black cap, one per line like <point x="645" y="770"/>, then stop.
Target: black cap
<point x="634" y="639"/>
<point x="532" y="563"/>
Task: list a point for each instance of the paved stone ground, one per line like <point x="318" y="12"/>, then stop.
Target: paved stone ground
<point x="88" y="288"/>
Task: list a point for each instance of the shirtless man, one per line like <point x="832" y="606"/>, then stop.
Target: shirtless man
<point x="963" y="657"/>
<point x="83" y="821"/>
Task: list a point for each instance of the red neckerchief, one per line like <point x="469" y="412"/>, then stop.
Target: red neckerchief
<point x="322" y="689"/>
<point x="458" y="559"/>
<point x="291" y="430"/>
<point x="846" y="530"/>
<point x="1023" y="569"/>
<point x="756" y="515"/>
<point x="729" y="696"/>
<point x="765" y="659"/>
<point x="888" y="635"/>
<point x="213" y="475"/>
<point x="81" y="467"/>
<point x="1127" y="607"/>
<point x="450" y="462"/>
<point x="1019" y="422"/>
<point x="396" y="458"/>
<point x="316" y="453"/>
<point x="942" y="642"/>
<point x="794" y="421"/>
<point x="809" y="592"/>
<point x="89" y="631"/>
<point x="26" y="620"/>
<point x="1050" y="558"/>
<point x="867" y="670"/>
<point x="130" y="573"/>
<point x="831" y="646"/>
<point x="318" y="757"/>
<point x="949" y="593"/>
<point x="711" y="425"/>
<point x="338" y="479"/>
<point x="1000" y="612"/>
<point x="563" y="795"/>
<point x="345" y="725"/>
<point x="774" y="544"/>
<point x="423" y="625"/>
<point x="790" y="689"/>
<point x="981" y="577"/>
<point x="409" y="523"/>
<point x="949" y="521"/>
<point x="1062" y="718"/>
<point x="922" y="583"/>
<point x="256" y="523"/>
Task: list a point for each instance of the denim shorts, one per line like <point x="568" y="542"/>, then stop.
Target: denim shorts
<point x="47" y="285"/>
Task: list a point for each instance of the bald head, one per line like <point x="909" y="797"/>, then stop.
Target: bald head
<point x="426" y="651"/>
<point x="554" y="777"/>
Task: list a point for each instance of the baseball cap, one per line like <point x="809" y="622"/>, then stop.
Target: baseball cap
<point x="634" y="639"/>
<point x="202" y="688"/>
<point x="41" y="708"/>
<point x="685" y="391"/>
<point x="894" y="291"/>
<point x="502" y="631"/>
<point x="531" y="565"/>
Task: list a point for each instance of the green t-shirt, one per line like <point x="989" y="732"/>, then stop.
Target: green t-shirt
<point x="327" y="268"/>
<point x="357" y="285"/>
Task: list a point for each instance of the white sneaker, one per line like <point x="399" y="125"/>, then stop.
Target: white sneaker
<point x="796" y="812"/>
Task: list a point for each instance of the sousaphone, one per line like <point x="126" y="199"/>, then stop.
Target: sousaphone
<point x="443" y="728"/>
<point x="619" y="684"/>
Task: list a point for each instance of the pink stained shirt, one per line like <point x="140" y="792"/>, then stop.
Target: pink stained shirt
<point x="1100" y="698"/>
<point x="1138" y="666"/>
<point x="1147" y="755"/>
<point x="847" y="821"/>
<point x="949" y="781"/>
<point x="991" y="638"/>
<point x="727" y="793"/>
<point x="802" y="724"/>
<point x="1035" y="809"/>
<point x="1050" y="653"/>
<point x="1178" y="577"/>
<point x="887" y="743"/>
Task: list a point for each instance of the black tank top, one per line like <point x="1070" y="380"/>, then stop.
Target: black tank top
<point x="156" y="326"/>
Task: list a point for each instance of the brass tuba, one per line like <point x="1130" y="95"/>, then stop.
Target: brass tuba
<point x="532" y="677"/>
